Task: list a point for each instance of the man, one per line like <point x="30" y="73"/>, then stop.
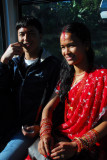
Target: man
<point x="31" y="74"/>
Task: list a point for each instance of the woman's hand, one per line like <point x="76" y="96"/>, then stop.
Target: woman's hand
<point x="64" y="150"/>
<point x="45" y="145"/>
<point x="31" y="131"/>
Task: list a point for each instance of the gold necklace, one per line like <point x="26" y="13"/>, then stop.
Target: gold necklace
<point x="80" y="76"/>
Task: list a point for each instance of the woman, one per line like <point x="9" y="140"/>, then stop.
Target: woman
<point x="83" y="87"/>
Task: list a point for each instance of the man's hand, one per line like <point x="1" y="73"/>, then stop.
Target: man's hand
<point x="31" y="131"/>
<point x="13" y="49"/>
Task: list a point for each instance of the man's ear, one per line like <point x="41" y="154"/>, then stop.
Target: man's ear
<point x="41" y="36"/>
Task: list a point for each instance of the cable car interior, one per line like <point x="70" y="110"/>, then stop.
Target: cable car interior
<point x="54" y="14"/>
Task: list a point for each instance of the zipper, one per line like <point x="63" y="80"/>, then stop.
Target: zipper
<point x="22" y="84"/>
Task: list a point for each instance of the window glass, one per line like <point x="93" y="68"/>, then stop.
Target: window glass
<point x="55" y="15"/>
<point x="1" y="38"/>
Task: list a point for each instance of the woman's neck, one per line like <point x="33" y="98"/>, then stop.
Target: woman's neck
<point x="79" y="69"/>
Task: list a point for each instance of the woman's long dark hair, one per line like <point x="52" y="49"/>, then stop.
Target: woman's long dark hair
<point x="67" y="72"/>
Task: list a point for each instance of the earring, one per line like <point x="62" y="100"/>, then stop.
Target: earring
<point x="87" y="48"/>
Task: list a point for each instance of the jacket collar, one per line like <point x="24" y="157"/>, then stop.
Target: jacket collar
<point x="45" y="54"/>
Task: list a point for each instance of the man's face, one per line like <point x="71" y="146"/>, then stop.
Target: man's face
<point x="30" y="38"/>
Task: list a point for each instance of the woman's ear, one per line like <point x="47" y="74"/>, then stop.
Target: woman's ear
<point x="87" y="45"/>
<point x="87" y="48"/>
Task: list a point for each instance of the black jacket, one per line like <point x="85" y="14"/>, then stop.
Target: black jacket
<point x="27" y="86"/>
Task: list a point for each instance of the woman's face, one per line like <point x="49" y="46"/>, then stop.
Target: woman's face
<point x="73" y="50"/>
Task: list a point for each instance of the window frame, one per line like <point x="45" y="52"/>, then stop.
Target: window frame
<point x="2" y="26"/>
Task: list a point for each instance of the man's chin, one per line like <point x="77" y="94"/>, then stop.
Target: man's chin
<point x="26" y="49"/>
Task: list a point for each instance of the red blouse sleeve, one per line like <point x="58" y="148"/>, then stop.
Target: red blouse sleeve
<point x="57" y="87"/>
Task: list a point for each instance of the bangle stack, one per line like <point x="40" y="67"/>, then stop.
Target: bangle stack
<point x="45" y="127"/>
<point x="87" y="141"/>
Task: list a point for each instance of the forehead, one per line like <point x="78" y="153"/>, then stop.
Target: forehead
<point x="28" y="29"/>
<point x="65" y="37"/>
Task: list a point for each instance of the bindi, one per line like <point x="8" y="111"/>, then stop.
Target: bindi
<point x="63" y="35"/>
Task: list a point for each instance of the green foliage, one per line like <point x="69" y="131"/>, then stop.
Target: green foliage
<point x="87" y="11"/>
<point x="60" y="13"/>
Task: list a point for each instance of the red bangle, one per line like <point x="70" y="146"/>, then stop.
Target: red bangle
<point x="79" y="144"/>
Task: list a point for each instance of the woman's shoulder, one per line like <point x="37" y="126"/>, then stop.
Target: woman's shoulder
<point x="97" y="75"/>
<point x="99" y="71"/>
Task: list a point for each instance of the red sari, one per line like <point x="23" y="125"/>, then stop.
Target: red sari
<point x="28" y="158"/>
<point x="87" y="104"/>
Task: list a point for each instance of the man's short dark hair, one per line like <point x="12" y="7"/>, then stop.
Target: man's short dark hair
<point x="29" y="21"/>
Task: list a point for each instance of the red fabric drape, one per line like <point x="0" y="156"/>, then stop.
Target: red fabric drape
<point x="87" y="104"/>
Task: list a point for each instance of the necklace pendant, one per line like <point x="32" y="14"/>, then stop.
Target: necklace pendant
<point x="71" y="108"/>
